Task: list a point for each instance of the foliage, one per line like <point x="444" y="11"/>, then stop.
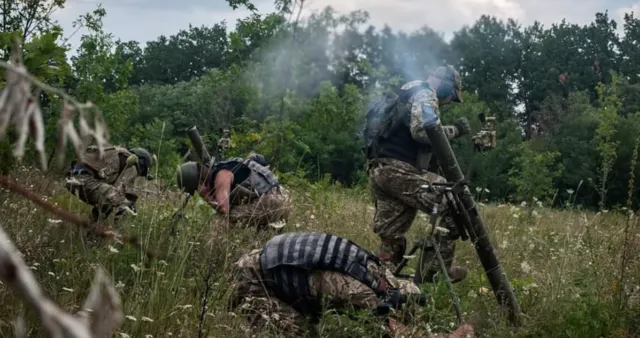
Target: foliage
<point x="295" y="89"/>
<point x="605" y="144"/>
<point x="533" y="173"/>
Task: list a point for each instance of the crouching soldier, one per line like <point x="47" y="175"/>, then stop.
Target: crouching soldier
<point x="244" y="190"/>
<point x="106" y="182"/>
<point x="295" y="276"/>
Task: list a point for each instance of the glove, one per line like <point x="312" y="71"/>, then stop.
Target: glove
<point x="132" y="160"/>
<point x="463" y="126"/>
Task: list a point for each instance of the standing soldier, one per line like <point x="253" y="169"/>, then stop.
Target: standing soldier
<point x="243" y="189"/>
<point x="294" y="274"/>
<point x="398" y="152"/>
<point x="106" y="182"/>
<point x="224" y="143"/>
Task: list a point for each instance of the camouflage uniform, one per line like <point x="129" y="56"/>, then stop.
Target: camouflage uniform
<point x="263" y="308"/>
<point x="271" y="207"/>
<point x="396" y="187"/>
<point x="107" y="183"/>
<point x="224" y="143"/>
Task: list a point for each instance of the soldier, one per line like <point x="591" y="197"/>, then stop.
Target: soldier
<point x="243" y="189"/>
<point x="397" y="161"/>
<point x="224" y="143"/>
<point x="294" y="274"/>
<point x="106" y="182"/>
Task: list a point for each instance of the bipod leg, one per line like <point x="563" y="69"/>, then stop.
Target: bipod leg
<point x="443" y="268"/>
<point x="424" y="262"/>
<point x="178" y="215"/>
<point x="416" y="245"/>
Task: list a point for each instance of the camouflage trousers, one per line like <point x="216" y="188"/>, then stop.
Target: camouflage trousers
<point x="274" y="206"/>
<point x="104" y="197"/>
<point x="263" y="309"/>
<point x="396" y="188"/>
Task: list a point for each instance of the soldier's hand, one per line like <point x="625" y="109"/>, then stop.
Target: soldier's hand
<point x="463" y="126"/>
<point x="132" y="160"/>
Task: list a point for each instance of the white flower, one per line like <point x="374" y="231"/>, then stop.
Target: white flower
<point x="124" y="335"/>
<point x="54" y="221"/>
<point x="570" y="191"/>
<point x="67" y="289"/>
<point x="526" y="268"/>
<point x="51" y="273"/>
<point x="478" y="189"/>
<point x="534" y="213"/>
<point x="278" y="225"/>
<point x="147" y="319"/>
<point x="135" y="267"/>
<point x="486" y="190"/>
<point x="523" y="204"/>
<point x="504" y="244"/>
<point x="112" y="249"/>
<point x="516" y="216"/>
<point x="131" y="318"/>
<point x="539" y="204"/>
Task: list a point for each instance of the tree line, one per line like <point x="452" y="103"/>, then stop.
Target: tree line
<point x="566" y="97"/>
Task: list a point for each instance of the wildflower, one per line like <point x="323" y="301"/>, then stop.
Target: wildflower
<point x="504" y="244"/>
<point x="312" y="216"/>
<point x="539" y="204"/>
<point x="570" y="191"/>
<point x="535" y="214"/>
<point x="277" y="225"/>
<point x="124" y="335"/>
<point x="148" y="336"/>
<point x="147" y="319"/>
<point x="163" y="262"/>
<point x="112" y="249"/>
<point x="120" y="285"/>
<point x="131" y="318"/>
<point x="67" y="289"/>
<point x="486" y="190"/>
<point x="516" y="216"/>
<point x="51" y="273"/>
<point x="478" y="189"/>
<point x="135" y="267"/>
<point x="526" y="268"/>
<point x="483" y="291"/>
<point x="523" y="204"/>
<point x="297" y="225"/>
<point x="54" y="221"/>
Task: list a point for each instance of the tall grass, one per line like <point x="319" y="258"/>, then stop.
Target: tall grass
<point x="564" y="265"/>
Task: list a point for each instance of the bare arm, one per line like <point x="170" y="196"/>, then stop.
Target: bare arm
<point x="219" y="198"/>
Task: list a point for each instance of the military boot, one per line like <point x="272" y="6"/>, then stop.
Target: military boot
<point x="392" y="252"/>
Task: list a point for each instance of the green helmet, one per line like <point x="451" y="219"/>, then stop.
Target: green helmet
<point x="144" y="160"/>
<point x="188" y="177"/>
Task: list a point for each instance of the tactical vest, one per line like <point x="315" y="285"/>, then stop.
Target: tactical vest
<point x="258" y="180"/>
<point x="106" y="167"/>
<point x="288" y="259"/>
<point x="396" y="140"/>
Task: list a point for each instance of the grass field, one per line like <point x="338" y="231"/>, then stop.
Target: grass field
<point x="576" y="274"/>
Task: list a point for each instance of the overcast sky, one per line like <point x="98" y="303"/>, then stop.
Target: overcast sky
<point x="144" y="20"/>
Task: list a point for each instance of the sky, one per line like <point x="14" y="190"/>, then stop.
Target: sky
<point x="145" y="20"/>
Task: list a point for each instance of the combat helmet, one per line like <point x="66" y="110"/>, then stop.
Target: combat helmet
<point x="259" y="158"/>
<point x="145" y="160"/>
<point x="452" y="80"/>
<point x="188" y="177"/>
